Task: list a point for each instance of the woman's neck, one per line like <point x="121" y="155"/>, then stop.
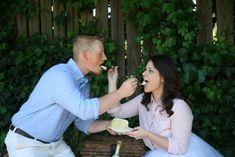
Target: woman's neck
<point x="157" y="95"/>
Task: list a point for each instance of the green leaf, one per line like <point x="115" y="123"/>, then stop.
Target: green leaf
<point x="168" y="7"/>
<point x="201" y="75"/>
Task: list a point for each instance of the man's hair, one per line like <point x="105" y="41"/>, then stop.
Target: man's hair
<point x="84" y="43"/>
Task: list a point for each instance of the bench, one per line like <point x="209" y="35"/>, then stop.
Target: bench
<point x="97" y="145"/>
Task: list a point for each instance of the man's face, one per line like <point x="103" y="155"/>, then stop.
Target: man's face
<point x="96" y="57"/>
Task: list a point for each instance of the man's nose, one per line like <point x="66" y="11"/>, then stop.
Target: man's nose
<point x="104" y="57"/>
<point x="143" y="73"/>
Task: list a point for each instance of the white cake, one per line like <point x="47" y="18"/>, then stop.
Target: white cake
<point x="120" y="124"/>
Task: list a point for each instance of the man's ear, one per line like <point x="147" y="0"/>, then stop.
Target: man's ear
<point x="85" y="55"/>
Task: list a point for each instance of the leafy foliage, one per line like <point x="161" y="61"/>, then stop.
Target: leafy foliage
<point x="165" y="27"/>
<point x="23" y="62"/>
<point x="170" y="27"/>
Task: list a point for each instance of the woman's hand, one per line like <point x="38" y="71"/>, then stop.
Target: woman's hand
<point x="138" y="133"/>
<point x="113" y="74"/>
<point x="112" y="78"/>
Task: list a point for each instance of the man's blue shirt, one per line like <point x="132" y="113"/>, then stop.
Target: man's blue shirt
<point x="61" y="96"/>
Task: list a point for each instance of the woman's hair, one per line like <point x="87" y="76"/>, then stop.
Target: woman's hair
<point x="171" y="88"/>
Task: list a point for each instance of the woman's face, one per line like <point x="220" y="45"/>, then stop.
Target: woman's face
<point x="154" y="81"/>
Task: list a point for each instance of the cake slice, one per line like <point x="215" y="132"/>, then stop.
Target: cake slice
<point x="120" y="124"/>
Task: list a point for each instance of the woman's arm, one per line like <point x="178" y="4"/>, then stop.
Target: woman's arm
<point x="126" y="110"/>
<point x="159" y="141"/>
<point x="181" y="125"/>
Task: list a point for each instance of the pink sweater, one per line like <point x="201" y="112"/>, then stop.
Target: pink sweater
<point x="176" y="128"/>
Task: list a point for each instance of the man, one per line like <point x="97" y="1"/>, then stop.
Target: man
<point x="61" y="97"/>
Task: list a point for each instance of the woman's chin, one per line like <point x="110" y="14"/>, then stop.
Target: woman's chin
<point x="146" y="90"/>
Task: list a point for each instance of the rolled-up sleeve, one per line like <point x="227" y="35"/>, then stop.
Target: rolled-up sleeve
<point x="181" y="128"/>
<point x="66" y="94"/>
<point x="83" y="125"/>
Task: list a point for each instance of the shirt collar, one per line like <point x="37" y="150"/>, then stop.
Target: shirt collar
<point x="77" y="73"/>
<point x="159" y="103"/>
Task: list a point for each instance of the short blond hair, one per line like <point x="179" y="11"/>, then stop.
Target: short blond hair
<point x="84" y="43"/>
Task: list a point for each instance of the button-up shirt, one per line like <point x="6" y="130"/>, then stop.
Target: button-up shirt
<point x="61" y="96"/>
<point x="177" y="128"/>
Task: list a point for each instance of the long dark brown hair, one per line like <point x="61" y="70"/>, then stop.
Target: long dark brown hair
<point x="172" y="87"/>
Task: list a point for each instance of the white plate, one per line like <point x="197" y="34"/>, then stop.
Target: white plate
<point x="121" y="131"/>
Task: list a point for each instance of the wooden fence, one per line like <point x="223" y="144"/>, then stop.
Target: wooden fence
<point x="45" y="20"/>
<point x="53" y="18"/>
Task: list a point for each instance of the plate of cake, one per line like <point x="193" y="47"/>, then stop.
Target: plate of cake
<point x="120" y="125"/>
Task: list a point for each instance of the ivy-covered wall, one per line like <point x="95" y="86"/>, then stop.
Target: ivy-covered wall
<point x="165" y="27"/>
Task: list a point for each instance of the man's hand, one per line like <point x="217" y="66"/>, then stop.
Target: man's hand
<point x="112" y="99"/>
<point x="128" y="87"/>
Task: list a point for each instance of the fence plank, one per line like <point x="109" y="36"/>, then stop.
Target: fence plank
<point x="46" y="18"/>
<point x="58" y="19"/>
<point x="34" y="26"/>
<point x="69" y="18"/>
<point x="224" y="14"/>
<point x="21" y="25"/>
<point x="86" y="16"/>
<point x="102" y="16"/>
<point x="72" y="19"/>
<point x="133" y="48"/>
<point x="205" y="19"/>
<point x="117" y="35"/>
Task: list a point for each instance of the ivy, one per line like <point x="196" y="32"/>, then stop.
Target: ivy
<point x="165" y="26"/>
<point x="170" y="27"/>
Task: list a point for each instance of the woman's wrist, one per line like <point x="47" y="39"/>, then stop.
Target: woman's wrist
<point x="148" y="134"/>
<point x="112" y="87"/>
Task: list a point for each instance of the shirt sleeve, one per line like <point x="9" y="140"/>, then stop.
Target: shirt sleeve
<point x="83" y="125"/>
<point x="65" y="93"/>
<point x="126" y="110"/>
<point x="181" y="128"/>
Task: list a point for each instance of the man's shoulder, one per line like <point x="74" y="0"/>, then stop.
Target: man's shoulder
<point x="57" y="71"/>
<point x="61" y="67"/>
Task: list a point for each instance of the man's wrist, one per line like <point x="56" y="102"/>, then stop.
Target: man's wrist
<point x="119" y="94"/>
<point x="108" y="123"/>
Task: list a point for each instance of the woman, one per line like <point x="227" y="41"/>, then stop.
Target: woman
<point x="165" y="117"/>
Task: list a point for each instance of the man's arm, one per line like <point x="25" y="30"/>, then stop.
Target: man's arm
<point x="99" y="125"/>
<point x="110" y="100"/>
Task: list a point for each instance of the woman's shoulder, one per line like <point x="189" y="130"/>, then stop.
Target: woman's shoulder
<point x="138" y="98"/>
<point x="180" y="104"/>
